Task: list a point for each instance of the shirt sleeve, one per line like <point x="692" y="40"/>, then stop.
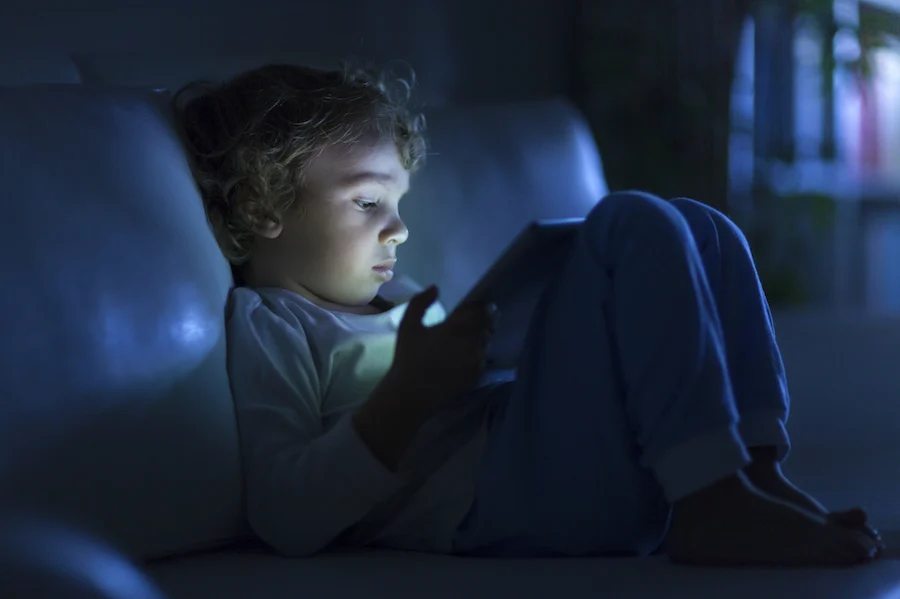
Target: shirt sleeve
<point x="304" y="486"/>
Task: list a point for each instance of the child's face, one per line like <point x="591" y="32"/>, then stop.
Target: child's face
<point x="338" y="248"/>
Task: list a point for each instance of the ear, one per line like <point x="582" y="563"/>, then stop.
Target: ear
<point x="269" y="229"/>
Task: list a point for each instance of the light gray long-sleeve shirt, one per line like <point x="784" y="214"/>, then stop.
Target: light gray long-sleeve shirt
<point x="297" y="374"/>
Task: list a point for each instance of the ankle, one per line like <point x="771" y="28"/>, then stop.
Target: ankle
<point x="764" y="464"/>
<point x="763" y="454"/>
<point x="714" y="495"/>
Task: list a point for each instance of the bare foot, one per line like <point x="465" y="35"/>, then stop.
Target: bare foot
<point x="768" y="477"/>
<point x="731" y="523"/>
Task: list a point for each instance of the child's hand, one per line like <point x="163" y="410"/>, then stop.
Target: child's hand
<point x="432" y="365"/>
<point x="446" y="359"/>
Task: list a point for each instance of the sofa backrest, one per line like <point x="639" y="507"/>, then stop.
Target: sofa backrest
<point x="26" y="66"/>
<point x="117" y="411"/>
<point x="117" y="406"/>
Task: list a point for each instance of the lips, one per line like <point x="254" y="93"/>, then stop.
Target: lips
<point x="385" y="270"/>
<point x="386" y="265"/>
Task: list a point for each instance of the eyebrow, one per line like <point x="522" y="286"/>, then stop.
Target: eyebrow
<point x="366" y="177"/>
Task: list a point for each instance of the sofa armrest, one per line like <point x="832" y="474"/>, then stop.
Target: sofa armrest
<point x="42" y="557"/>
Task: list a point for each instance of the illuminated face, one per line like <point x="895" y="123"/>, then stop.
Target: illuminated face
<point x="340" y="246"/>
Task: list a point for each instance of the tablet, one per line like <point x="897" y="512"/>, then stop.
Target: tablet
<point x="517" y="280"/>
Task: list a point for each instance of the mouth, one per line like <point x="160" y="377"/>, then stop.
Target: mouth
<point x="385" y="269"/>
<point x="386" y="265"/>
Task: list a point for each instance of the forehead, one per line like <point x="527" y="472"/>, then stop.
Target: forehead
<point x="353" y="163"/>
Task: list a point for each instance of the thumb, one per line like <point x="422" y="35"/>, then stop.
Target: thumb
<point x="418" y="305"/>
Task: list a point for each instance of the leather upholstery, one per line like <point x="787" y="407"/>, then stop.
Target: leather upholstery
<point x="41" y="558"/>
<point x="117" y="408"/>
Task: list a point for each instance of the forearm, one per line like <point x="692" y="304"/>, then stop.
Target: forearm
<point x="389" y="421"/>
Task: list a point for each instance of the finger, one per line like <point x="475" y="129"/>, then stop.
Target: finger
<point x="417" y="307"/>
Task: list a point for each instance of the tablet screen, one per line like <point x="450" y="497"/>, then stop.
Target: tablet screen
<point x="518" y="278"/>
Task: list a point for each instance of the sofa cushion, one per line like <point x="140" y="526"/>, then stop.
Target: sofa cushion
<point x="117" y="410"/>
<point x="41" y="558"/>
<point x="388" y="574"/>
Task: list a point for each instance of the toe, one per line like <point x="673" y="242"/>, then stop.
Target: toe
<point x="867" y="546"/>
<point x="856" y="518"/>
<point x="852" y="547"/>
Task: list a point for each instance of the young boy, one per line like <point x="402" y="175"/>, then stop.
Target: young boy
<point x="649" y="404"/>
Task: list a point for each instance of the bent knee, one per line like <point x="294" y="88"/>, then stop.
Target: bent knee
<point x="700" y="216"/>
<point x="693" y="208"/>
<point x="630" y="209"/>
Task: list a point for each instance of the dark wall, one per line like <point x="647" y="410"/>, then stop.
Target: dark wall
<point x="461" y="49"/>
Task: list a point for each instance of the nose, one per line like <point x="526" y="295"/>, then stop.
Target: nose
<point x="395" y="232"/>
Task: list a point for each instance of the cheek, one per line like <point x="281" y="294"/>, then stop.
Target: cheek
<point x="328" y="244"/>
<point x="329" y="253"/>
<point x="354" y="254"/>
<point x="303" y="245"/>
<point x="355" y="242"/>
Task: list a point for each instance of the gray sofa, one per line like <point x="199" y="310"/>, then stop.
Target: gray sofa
<point x="118" y="419"/>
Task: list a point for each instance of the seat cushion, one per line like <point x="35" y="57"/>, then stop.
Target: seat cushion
<point x="393" y="575"/>
<point x="396" y="574"/>
<point x="246" y="575"/>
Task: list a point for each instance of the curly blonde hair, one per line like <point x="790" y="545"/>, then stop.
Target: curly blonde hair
<point x="250" y="139"/>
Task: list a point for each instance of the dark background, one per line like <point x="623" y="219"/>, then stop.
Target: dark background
<point x="698" y="98"/>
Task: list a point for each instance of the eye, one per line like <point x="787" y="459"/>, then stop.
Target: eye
<point x="365" y="204"/>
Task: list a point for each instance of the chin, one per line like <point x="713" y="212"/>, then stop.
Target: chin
<point x="347" y="299"/>
<point x="362" y="299"/>
<point x="368" y="299"/>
